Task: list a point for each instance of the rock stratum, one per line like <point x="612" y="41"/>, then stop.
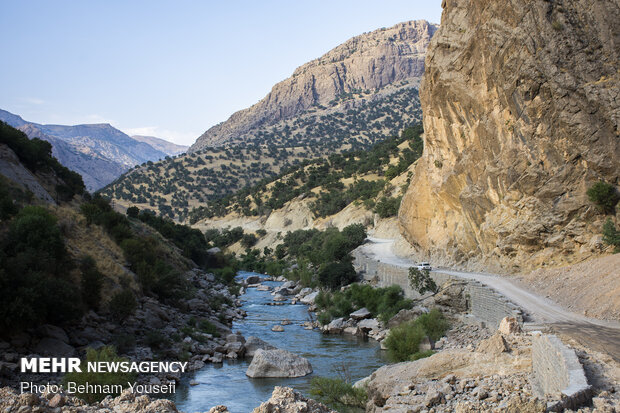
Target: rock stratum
<point x="367" y="62"/>
<point x="521" y="105"/>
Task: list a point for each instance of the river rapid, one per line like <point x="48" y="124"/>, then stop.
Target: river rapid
<point x="330" y="356"/>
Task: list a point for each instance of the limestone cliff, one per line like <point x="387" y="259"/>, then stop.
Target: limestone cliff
<point x="521" y="103"/>
<point x="370" y="61"/>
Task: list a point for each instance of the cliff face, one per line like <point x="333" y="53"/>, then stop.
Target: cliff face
<point x="521" y="103"/>
<point x="367" y="62"/>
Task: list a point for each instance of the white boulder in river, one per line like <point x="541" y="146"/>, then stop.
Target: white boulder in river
<point x="278" y="363"/>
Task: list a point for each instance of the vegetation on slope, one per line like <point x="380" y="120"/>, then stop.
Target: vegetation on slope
<point x="175" y="186"/>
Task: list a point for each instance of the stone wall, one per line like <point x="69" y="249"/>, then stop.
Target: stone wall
<point x="557" y="370"/>
<point x="484" y="303"/>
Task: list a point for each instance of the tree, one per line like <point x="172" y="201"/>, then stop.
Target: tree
<point x="611" y="235"/>
<point x="421" y="281"/>
<point x="133" y="212"/>
<point x="337" y="274"/>
<point x="604" y="195"/>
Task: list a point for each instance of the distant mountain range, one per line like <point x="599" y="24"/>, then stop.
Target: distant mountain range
<point x="98" y="152"/>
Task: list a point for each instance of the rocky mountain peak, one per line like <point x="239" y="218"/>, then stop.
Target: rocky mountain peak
<point x="367" y="62"/>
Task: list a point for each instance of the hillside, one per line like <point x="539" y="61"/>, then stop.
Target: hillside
<point x="521" y="118"/>
<point x="356" y="111"/>
<point x="353" y="71"/>
<point x="98" y="152"/>
<point x="356" y="187"/>
<point x="164" y="146"/>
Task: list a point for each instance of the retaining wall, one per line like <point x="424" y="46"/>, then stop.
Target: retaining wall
<point x="484" y="303"/>
<point x="557" y="370"/>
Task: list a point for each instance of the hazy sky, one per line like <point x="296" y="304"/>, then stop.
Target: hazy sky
<point x="169" y="68"/>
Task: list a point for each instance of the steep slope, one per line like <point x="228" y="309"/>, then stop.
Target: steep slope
<point x="261" y="141"/>
<point x="365" y="63"/>
<point x="100" y="152"/>
<point x="521" y="111"/>
<point x="161" y="144"/>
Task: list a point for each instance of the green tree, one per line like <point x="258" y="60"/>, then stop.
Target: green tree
<point x="604" y="195"/>
<point x="337" y="274"/>
<point x="421" y="281"/>
<point x="611" y="235"/>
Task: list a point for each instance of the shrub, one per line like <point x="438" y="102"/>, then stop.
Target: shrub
<point x="133" y="212"/>
<point x="337" y="393"/>
<point x="611" y="235"/>
<point x="91" y="283"/>
<point x="604" y="195"/>
<point x="105" y="354"/>
<point x="248" y="240"/>
<point x="337" y="274"/>
<point x="421" y="281"/>
<point x="156" y="339"/>
<point x="403" y="341"/>
<point x="388" y="207"/>
<point x="122" y="305"/>
<point x="207" y="327"/>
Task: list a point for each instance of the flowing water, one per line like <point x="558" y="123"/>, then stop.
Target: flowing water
<point x="329" y="355"/>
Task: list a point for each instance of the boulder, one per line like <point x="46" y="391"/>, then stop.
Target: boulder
<point x="262" y="287"/>
<point x="425" y="344"/>
<point x="309" y="299"/>
<point x="496" y="344"/>
<point x="278" y="363"/>
<point x="213" y="251"/>
<point x="285" y="322"/>
<point x="235" y="338"/>
<point x="509" y="325"/>
<point x="48" y="330"/>
<point x="360" y="314"/>
<point x="304" y="292"/>
<point x="253" y="343"/>
<point x="279" y="297"/>
<point x="452" y="295"/>
<point x="277" y="328"/>
<point x="54" y="347"/>
<point x="287" y="400"/>
<point x="336" y="326"/>
<point x="253" y="279"/>
<point x="370" y="324"/>
<point x="406" y="315"/>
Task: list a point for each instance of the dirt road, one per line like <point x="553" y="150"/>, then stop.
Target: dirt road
<point x="544" y="314"/>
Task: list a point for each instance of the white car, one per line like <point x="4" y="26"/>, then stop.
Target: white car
<point x="423" y="266"/>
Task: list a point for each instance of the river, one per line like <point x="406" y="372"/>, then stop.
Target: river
<point x="227" y="383"/>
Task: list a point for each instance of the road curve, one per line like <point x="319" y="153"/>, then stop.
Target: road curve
<point x="601" y="335"/>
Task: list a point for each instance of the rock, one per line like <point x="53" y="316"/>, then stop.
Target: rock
<point x="336" y="326"/>
<point x="304" y="292"/>
<point x="253" y="279"/>
<point x="236" y="348"/>
<point x="20" y="340"/>
<point x="361" y="383"/>
<point x="370" y="324"/>
<point x="218" y="409"/>
<point x="353" y="331"/>
<point x="509" y="325"/>
<point x="53" y="347"/>
<point x="48" y="330"/>
<point x="279" y="297"/>
<point x="235" y="338"/>
<point x="28" y="399"/>
<point x="277" y="328"/>
<point x="452" y="294"/>
<point x="406" y="315"/>
<point x="425" y="344"/>
<point x="254" y="343"/>
<point x="309" y="299"/>
<point x="287" y="400"/>
<point x="288" y="285"/>
<point x="57" y="401"/>
<point x="360" y="314"/>
<point x="496" y="344"/>
<point x="432" y="398"/>
<point x="217" y="358"/>
<point x="262" y="287"/>
<point x="285" y="322"/>
<point x="278" y="363"/>
<point x="213" y="251"/>
<point x="538" y="64"/>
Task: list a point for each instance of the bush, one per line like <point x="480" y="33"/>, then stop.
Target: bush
<point x="105" y="354"/>
<point x="133" y="212"/>
<point x="92" y="281"/>
<point x="403" y="341"/>
<point x="337" y="393"/>
<point x="208" y="327"/>
<point x="387" y="207"/>
<point x="156" y="339"/>
<point x="611" y="235"/>
<point x="421" y="281"/>
<point x="248" y="240"/>
<point x="122" y="305"/>
<point x="337" y="274"/>
<point x="604" y="195"/>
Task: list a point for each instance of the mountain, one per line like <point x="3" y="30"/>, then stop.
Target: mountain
<point x="353" y="71"/>
<point x="99" y="152"/>
<point x="356" y="95"/>
<point x="161" y="145"/>
<point x="521" y="115"/>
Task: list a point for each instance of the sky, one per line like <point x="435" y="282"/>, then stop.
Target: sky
<point x="170" y="69"/>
